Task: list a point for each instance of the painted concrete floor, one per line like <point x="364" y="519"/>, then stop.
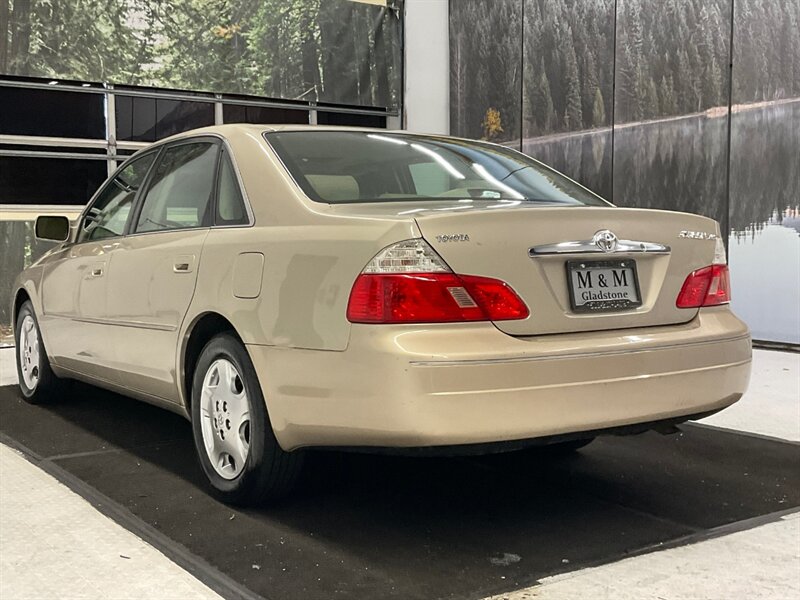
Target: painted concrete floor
<point x="758" y="563"/>
<point x="771" y="405"/>
<point x="54" y="544"/>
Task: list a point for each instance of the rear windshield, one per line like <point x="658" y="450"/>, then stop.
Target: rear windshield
<point x="338" y="167"/>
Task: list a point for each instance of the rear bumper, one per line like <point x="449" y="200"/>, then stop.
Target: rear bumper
<point x="471" y="384"/>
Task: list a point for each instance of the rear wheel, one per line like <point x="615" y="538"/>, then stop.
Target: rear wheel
<point x="232" y="432"/>
<point x="36" y="380"/>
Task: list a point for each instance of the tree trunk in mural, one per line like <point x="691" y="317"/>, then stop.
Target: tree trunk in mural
<point x="5" y="33"/>
<point x="20" y="25"/>
<point x="310" y="57"/>
<point x="381" y="83"/>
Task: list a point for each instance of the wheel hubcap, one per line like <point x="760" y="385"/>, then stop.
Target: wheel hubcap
<point x="29" y="352"/>
<point x="225" y="418"/>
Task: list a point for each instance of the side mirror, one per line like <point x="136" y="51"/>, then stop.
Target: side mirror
<point x="52" y="228"/>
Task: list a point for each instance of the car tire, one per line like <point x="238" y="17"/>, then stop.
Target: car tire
<point x="37" y="382"/>
<point x="233" y="435"/>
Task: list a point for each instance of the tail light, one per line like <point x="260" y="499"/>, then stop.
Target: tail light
<point x="409" y="283"/>
<point x="709" y="286"/>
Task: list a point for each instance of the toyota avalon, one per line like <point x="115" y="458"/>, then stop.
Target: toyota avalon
<point x="297" y="287"/>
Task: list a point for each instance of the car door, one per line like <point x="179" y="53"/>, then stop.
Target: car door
<point x="153" y="269"/>
<point x="75" y="279"/>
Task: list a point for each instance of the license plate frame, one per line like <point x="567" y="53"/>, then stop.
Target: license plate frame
<point x="612" y="305"/>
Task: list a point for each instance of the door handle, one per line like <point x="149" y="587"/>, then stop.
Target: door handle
<point x="97" y="271"/>
<point x="183" y="264"/>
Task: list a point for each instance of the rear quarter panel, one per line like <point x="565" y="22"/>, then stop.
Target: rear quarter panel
<point x="311" y="259"/>
<point x="307" y="275"/>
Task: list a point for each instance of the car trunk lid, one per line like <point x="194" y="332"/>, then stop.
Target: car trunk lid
<point x="496" y="240"/>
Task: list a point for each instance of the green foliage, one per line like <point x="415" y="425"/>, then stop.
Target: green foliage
<point x="573" y="113"/>
<point x="589" y="88"/>
<point x="767" y="50"/>
<point x="326" y="50"/>
<point x="486" y="65"/>
<point x="541" y="121"/>
<point x="19" y="248"/>
<point x="672" y="58"/>
<point x="668" y="103"/>
<point x="49" y="38"/>
<point x="568" y="47"/>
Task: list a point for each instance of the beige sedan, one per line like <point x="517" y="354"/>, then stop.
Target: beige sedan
<point x="305" y="287"/>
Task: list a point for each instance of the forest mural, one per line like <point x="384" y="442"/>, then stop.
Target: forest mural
<point x="569" y="68"/>
<point x="631" y="98"/>
<point x="568" y="87"/>
<point x="486" y="64"/>
<point x="18" y="247"/>
<point x="336" y="51"/>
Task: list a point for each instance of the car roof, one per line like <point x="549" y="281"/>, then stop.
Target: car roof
<point x="232" y="128"/>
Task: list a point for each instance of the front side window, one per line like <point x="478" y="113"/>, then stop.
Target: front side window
<point x="109" y="213"/>
<point x="181" y="189"/>
<point x="353" y="166"/>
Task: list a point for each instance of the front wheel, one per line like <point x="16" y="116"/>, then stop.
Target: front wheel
<point x="232" y="432"/>
<point x="36" y="380"/>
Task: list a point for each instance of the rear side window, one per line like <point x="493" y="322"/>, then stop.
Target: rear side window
<point x="230" y="203"/>
<point x="109" y="213"/>
<point x="181" y="189"/>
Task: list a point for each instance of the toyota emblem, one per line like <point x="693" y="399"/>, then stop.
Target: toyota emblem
<point x="605" y="240"/>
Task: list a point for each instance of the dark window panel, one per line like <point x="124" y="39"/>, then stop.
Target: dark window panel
<point x="52" y="113"/>
<point x="332" y="118"/>
<point x="175" y="116"/>
<point x="25" y="180"/>
<point x="136" y="119"/>
<point x="235" y="113"/>
<point x="151" y="119"/>
<point x="61" y="149"/>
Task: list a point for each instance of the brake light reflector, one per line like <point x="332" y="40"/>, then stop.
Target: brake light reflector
<point x="709" y="286"/>
<point x="496" y="297"/>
